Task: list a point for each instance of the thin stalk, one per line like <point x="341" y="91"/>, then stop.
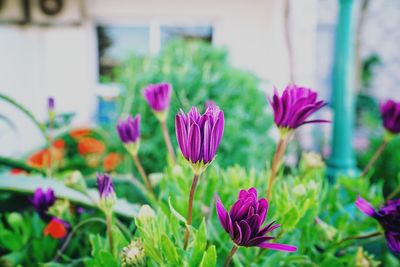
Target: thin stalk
<point x="167" y="140"/>
<point x="109" y="231"/>
<point x="393" y="194"/>
<point x="359" y="237"/>
<point x="142" y="173"/>
<point x="279" y="152"/>
<point x="190" y="207"/>
<point x="229" y="258"/>
<point x="376" y="155"/>
<point x="68" y="239"/>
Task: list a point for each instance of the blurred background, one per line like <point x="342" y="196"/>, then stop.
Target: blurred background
<point x="95" y="57"/>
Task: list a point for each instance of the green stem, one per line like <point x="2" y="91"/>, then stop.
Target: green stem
<point x="190" y="207"/>
<point x="68" y="239"/>
<point x="279" y="152"/>
<point x="376" y="155"/>
<point x="359" y="237"/>
<point x="229" y="258"/>
<point x="26" y="112"/>
<point x="109" y="231"/>
<point x="393" y="194"/>
<point x="167" y="140"/>
<point x="142" y="173"/>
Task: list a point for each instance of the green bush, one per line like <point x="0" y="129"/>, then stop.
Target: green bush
<point x="198" y="72"/>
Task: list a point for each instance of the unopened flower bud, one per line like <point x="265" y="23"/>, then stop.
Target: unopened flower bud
<point x="146" y="213"/>
<point x="106" y="191"/>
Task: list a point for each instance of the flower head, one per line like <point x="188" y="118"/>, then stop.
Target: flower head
<point x="111" y="161"/>
<point x="133" y="254"/>
<point x="89" y="145"/>
<point x="42" y="201"/>
<point x="199" y="135"/>
<point x="294" y="106"/>
<point x="388" y="216"/>
<point x="56" y="228"/>
<point x="129" y="133"/>
<point x="80" y="132"/>
<point x="244" y="222"/>
<point x="158" y="96"/>
<point x="390" y="112"/>
<point x="106" y="191"/>
<point x="50" y="103"/>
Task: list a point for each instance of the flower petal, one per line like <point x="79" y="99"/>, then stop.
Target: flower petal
<point x="276" y="246"/>
<point x="365" y="207"/>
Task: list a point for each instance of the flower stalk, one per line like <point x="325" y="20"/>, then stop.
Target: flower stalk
<point x="276" y="161"/>
<point x="231" y="253"/>
<point x="142" y="172"/>
<point x="167" y="140"/>
<point x="190" y="208"/>
<point x="109" y="231"/>
<point x="373" y="159"/>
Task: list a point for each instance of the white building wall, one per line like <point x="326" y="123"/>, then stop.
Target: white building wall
<point x="36" y="62"/>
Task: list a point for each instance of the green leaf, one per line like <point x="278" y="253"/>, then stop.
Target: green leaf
<point x="200" y="243"/>
<point x="175" y="213"/>
<point x="209" y="257"/>
<point x="96" y="243"/>
<point x="119" y="239"/>
<point x="11" y="241"/>
<point x="107" y="259"/>
<point x="28" y="184"/>
<point x="169" y="249"/>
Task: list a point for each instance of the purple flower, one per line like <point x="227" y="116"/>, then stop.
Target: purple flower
<point x="199" y="135"/>
<point x="42" y="201"/>
<point x="388" y="216"/>
<point x="105" y="185"/>
<point x="292" y="109"/>
<point x="244" y="222"/>
<point x="50" y="103"/>
<point x="129" y="129"/>
<point x="158" y="96"/>
<point x="390" y="112"/>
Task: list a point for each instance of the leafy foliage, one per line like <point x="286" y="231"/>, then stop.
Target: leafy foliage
<point x="198" y="73"/>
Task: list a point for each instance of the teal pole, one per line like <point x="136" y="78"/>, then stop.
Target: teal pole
<point x="342" y="161"/>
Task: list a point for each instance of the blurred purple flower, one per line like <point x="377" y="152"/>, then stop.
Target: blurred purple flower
<point x="244" y="222"/>
<point x="199" y="135"/>
<point x="50" y="103"/>
<point x="105" y="185"/>
<point x="390" y="112"/>
<point x="129" y="129"/>
<point x="292" y="109"/>
<point x="158" y="96"/>
<point x="388" y="216"/>
<point x="42" y="201"/>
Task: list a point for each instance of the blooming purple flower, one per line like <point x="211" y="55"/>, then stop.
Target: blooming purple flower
<point x="158" y="96"/>
<point x="42" y="201"/>
<point x="390" y="112"/>
<point x="292" y="109"/>
<point x="129" y="129"/>
<point x="244" y="222"/>
<point x="105" y="185"/>
<point x="388" y="216"/>
<point x="199" y="135"/>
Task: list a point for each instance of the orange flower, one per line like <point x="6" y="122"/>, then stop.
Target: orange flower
<point x="16" y="171"/>
<point x="56" y="229"/>
<point x="43" y="158"/>
<point x="111" y="161"/>
<point x="79" y="133"/>
<point x="59" y="144"/>
<point x="88" y="145"/>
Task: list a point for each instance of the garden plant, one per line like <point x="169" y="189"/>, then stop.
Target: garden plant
<point x="81" y="200"/>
